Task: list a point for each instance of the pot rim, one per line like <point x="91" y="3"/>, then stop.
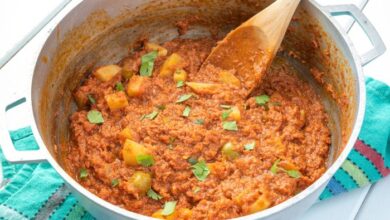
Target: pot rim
<point x="262" y="214"/>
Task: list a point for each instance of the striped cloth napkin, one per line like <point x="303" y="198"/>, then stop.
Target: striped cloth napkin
<point x="36" y="191"/>
<point x="369" y="160"/>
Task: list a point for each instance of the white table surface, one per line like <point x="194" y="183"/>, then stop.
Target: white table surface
<point x="25" y="33"/>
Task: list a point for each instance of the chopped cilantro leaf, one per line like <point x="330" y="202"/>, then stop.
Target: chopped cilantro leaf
<point x="262" y="99"/>
<point x="187" y="111"/>
<point x="230" y="125"/>
<point x="145" y="160"/>
<point x="153" y="195"/>
<point x="95" y="117"/>
<point x="147" y="63"/>
<point x="200" y="170"/>
<point x="184" y="98"/>
<point x="169" y="208"/>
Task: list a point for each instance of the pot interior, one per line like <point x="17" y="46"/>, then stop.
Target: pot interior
<point x="101" y="32"/>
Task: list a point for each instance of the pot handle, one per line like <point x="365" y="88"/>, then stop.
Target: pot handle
<point x="11" y="154"/>
<point x="352" y="10"/>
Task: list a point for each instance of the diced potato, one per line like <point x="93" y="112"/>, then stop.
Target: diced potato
<point x="215" y="167"/>
<point x="203" y="88"/>
<point x="180" y="75"/>
<point x="185" y="213"/>
<point x="161" y="50"/>
<point x="116" y="100"/>
<point x="106" y="73"/>
<point x="235" y="115"/>
<point x="229" y="78"/>
<point x="260" y="204"/>
<point x="182" y="213"/>
<point x="141" y="181"/>
<point x="136" y="86"/>
<point x="158" y="214"/>
<point x="81" y="99"/>
<point x="131" y="150"/>
<point x="229" y="152"/>
<point x="287" y="165"/>
<point x="127" y="71"/>
<point x="171" y="64"/>
<point x="126" y="133"/>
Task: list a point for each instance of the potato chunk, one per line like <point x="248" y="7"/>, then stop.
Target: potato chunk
<point x="229" y="152"/>
<point x="171" y="64"/>
<point x="182" y="213"/>
<point x="106" y="73"/>
<point x="203" y="88"/>
<point x="137" y="86"/>
<point x="127" y="133"/>
<point x="235" y="114"/>
<point x="141" y="181"/>
<point x="128" y="71"/>
<point x="131" y="150"/>
<point x="116" y="100"/>
<point x="180" y="75"/>
<point x="260" y="204"/>
<point x="229" y="78"/>
<point x="160" y="50"/>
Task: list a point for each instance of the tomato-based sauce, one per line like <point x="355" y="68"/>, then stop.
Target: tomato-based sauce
<point x="156" y="136"/>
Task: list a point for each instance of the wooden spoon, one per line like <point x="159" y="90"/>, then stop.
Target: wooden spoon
<point x="250" y="48"/>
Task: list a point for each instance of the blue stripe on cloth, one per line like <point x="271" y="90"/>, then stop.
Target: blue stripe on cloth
<point x="64" y="209"/>
<point x="335" y="187"/>
<point x="10" y="214"/>
<point x="326" y="194"/>
<point x="346" y="179"/>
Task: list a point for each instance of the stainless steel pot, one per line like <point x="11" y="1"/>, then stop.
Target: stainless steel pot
<point x="99" y="31"/>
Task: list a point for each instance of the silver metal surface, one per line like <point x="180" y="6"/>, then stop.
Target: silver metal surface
<point x="292" y="207"/>
<point x="378" y="46"/>
<point x="10" y="153"/>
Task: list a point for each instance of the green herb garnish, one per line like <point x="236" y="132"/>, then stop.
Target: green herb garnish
<point x="119" y="87"/>
<point x="150" y="116"/>
<point x="91" y="99"/>
<point x="83" y="173"/>
<point x="153" y="195"/>
<point x="200" y="170"/>
<point x="250" y="146"/>
<point x="226" y="113"/>
<point x="184" y="98"/>
<point x="274" y="169"/>
<point x="145" y="160"/>
<point x="169" y="208"/>
<point x="262" y="99"/>
<point x="292" y="173"/>
<point x="230" y="125"/>
<point x="95" y="117"/>
<point x="179" y="84"/>
<point x="147" y="63"/>
<point x="192" y="160"/>
<point x="114" y="182"/>
<point x="187" y="111"/>
<point x="199" y="121"/>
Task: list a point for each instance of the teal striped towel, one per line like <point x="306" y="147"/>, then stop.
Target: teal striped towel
<point x="36" y="191"/>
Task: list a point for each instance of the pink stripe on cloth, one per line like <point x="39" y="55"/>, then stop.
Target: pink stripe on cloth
<point x="373" y="156"/>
